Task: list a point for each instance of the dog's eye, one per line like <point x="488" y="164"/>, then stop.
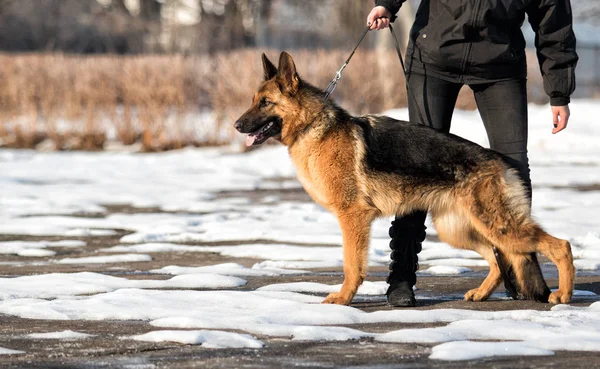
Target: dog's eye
<point x="264" y="102"/>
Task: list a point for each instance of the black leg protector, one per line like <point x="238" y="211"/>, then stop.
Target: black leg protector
<point x="407" y="233"/>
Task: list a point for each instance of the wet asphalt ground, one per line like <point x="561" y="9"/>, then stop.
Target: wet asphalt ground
<point x="107" y="350"/>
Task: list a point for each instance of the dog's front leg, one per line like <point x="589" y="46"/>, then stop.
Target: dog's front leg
<point x="356" y="227"/>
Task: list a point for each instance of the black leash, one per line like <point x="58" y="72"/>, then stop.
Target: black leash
<point x="406" y="75"/>
<point x="397" y="45"/>
<point x="332" y="85"/>
<point x="338" y="74"/>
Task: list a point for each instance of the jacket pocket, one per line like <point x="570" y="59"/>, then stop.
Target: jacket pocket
<point x="423" y="46"/>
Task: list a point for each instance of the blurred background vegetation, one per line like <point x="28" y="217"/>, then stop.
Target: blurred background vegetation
<point x="163" y="74"/>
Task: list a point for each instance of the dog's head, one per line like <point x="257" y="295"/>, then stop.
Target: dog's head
<point x="275" y="106"/>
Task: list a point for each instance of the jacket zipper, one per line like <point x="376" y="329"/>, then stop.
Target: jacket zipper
<point x="467" y="52"/>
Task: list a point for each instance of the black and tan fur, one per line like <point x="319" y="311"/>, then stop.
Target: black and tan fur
<point x="361" y="168"/>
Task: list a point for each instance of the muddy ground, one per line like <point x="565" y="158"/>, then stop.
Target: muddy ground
<point x="107" y="350"/>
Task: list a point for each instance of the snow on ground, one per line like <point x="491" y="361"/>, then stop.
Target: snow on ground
<point x="43" y="194"/>
<point x="299" y="316"/>
<point x="208" y="339"/>
<point x="36" y="248"/>
<point x="444" y="270"/>
<point x="63" y="335"/>
<point x="6" y="351"/>
<point x="54" y="285"/>
<point x="468" y="350"/>
<point x="228" y="269"/>
<point x="367" y="288"/>
<point x="122" y="258"/>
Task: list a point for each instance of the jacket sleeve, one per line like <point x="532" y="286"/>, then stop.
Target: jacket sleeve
<point x="391" y="5"/>
<point x="552" y="23"/>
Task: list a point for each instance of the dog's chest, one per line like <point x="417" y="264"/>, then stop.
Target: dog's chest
<point x="310" y="181"/>
<point x="307" y="172"/>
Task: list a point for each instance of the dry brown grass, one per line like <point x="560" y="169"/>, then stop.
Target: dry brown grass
<point x="76" y="101"/>
<point x="80" y="102"/>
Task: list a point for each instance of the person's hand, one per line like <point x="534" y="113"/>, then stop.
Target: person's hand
<point x="560" y="117"/>
<point x="378" y="18"/>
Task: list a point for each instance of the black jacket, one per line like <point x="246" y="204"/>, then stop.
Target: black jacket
<point x="480" y="41"/>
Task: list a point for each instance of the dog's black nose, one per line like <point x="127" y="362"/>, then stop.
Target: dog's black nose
<point x="238" y="125"/>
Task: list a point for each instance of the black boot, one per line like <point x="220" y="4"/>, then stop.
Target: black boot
<point x="407" y="234"/>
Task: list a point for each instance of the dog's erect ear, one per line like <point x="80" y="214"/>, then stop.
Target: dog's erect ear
<point x="287" y="75"/>
<point x="268" y="67"/>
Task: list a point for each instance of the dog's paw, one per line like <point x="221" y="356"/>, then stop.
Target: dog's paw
<point x="336" y="298"/>
<point x="559" y="297"/>
<point x="475" y="295"/>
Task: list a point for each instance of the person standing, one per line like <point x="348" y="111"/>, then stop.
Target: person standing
<point x="479" y="44"/>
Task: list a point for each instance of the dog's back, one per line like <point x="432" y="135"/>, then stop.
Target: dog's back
<point x="418" y="151"/>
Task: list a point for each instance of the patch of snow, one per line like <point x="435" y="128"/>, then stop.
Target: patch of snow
<point x="456" y="262"/>
<point x="63" y="335"/>
<point x="444" y="270"/>
<point x="205" y="338"/>
<point x="35" y="248"/>
<point x="123" y="258"/>
<point x="6" y="351"/>
<point x="367" y="288"/>
<point x="45" y="286"/>
<point x="35" y="253"/>
<point x="586" y="251"/>
<point x="227" y="269"/>
<point x="469" y="350"/>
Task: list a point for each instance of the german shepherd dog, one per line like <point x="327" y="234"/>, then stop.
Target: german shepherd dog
<point x="361" y="168"/>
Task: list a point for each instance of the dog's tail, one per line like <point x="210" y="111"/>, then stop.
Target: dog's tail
<point x="523" y="277"/>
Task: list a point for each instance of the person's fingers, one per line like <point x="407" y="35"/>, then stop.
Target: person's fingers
<point x="372" y="24"/>
<point x="557" y="129"/>
<point x="385" y="22"/>
<point x="371" y="18"/>
<point x="555" y="119"/>
<point x="560" y="116"/>
<point x="567" y="116"/>
<point x="378" y="18"/>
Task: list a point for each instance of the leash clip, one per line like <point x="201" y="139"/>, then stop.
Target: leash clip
<point x="338" y="74"/>
<point x="333" y="84"/>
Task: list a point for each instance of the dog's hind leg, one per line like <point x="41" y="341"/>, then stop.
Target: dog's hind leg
<point x="454" y="228"/>
<point x="559" y="252"/>
<point x="356" y="227"/>
<point x="500" y="212"/>
<point x="517" y="242"/>
<point x="524" y="273"/>
<point x="493" y="278"/>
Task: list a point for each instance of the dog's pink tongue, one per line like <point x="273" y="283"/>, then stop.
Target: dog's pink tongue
<point x="250" y="140"/>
